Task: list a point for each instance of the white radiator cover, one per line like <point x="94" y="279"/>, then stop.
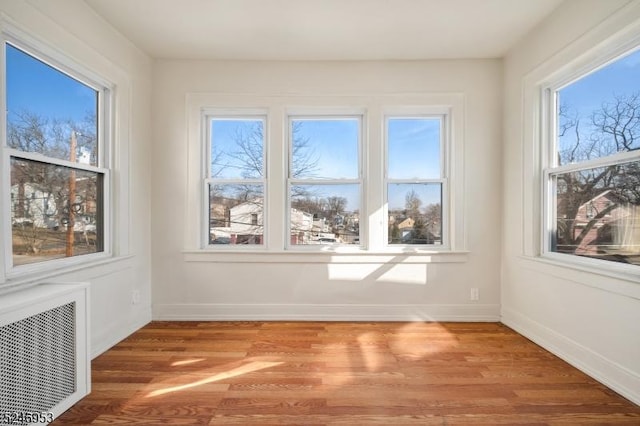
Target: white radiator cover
<point x="45" y="364"/>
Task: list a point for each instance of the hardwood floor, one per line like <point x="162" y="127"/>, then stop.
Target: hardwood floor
<point x="317" y="373"/>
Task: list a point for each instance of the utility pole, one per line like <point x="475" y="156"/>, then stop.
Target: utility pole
<point x="72" y="196"/>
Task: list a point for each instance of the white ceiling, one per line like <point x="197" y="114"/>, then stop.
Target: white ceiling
<point x="324" y="29"/>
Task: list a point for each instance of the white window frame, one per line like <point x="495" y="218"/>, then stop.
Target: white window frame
<point x="372" y="108"/>
<point x="548" y="158"/>
<point x="443" y="180"/>
<point x="61" y="63"/>
<point x="326" y="116"/>
<point x="208" y="116"/>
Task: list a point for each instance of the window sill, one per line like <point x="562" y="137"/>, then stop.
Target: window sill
<point x="621" y="279"/>
<point x="326" y="256"/>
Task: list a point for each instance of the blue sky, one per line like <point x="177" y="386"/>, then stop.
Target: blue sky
<point x="619" y="77"/>
<point x="413" y="148"/>
<point x="333" y="143"/>
<point x="588" y="94"/>
<point x="36" y="87"/>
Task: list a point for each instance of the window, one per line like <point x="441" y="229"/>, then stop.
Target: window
<point x="593" y="173"/>
<point x="236" y="180"/>
<point x="415" y="180"/>
<point x="293" y="175"/>
<point x="324" y="180"/>
<point x="55" y="152"/>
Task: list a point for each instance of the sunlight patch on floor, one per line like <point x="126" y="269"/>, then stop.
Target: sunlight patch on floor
<point x="234" y="372"/>
<point x="338" y="355"/>
<point x="371" y="355"/>
<point x="411" y="340"/>
<point x="187" y="362"/>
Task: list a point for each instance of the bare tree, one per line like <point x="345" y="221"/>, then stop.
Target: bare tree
<point x="336" y="205"/>
<point x="412" y="203"/>
<point x="420" y="233"/>
<point x="316" y="206"/>
<point x="304" y="160"/>
<point x="619" y="122"/>
<point x="248" y="153"/>
<point x="248" y="157"/>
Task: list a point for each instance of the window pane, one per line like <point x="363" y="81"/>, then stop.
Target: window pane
<point x="413" y="148"/>
<point x="236" y="214"/>
<point x="237" y="148"/>
<point x="325" y="149"/>
<point x="415" y="213"/>
<point x="49" y="112"/>
<point x="599" y="114"/>
<point x="55" y="211"/>
<point x="325" y="214"/>
<point x="598" y="213"/>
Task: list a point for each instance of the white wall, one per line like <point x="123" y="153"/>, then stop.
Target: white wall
<point x="188" y="285"/>
<point x="76" y="32"/>
<point x="590" y="318"/>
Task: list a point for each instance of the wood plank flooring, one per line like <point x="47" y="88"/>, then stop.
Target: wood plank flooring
<point x="320" y="373"/>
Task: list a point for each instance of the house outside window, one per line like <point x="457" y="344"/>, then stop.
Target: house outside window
<point x="56" y="153"/>
<point x="592" y="178"/>
<point x="415" y="184"/>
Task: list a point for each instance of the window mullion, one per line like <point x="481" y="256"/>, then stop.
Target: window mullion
<point x="236" y="181"/>
<point x="416" y="181"/>
<point x="324" y="181"/>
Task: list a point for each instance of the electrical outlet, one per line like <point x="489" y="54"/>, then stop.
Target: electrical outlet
<point x="475" y="294"/>
<point x="135" y="297"/>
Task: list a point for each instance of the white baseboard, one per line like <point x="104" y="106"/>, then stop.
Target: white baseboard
<point x="609" y="373"/>
<point x="119" y="331"/>
<point x="277" y="312"/>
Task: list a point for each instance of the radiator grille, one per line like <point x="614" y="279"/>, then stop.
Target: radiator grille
<point x="38" y="361"/>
